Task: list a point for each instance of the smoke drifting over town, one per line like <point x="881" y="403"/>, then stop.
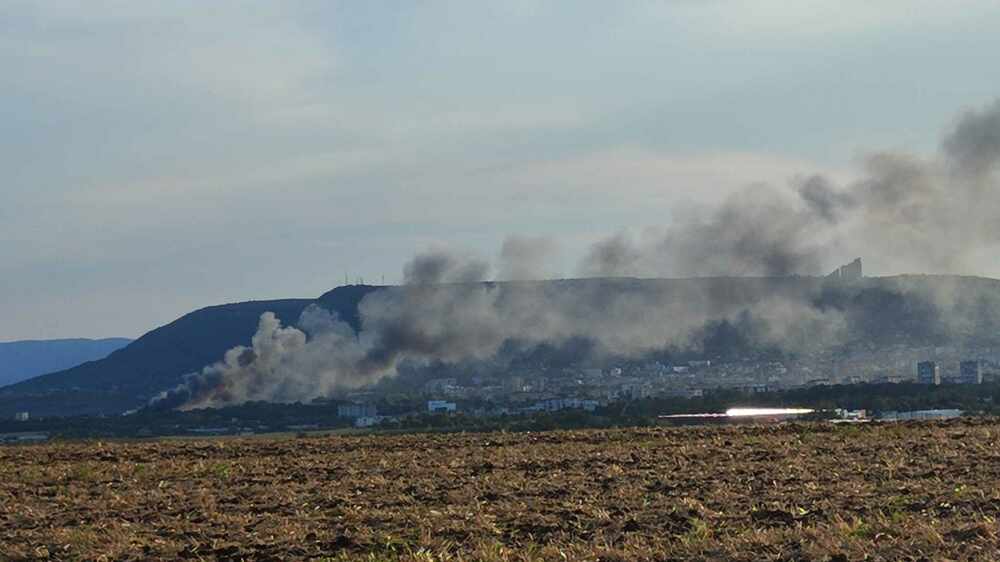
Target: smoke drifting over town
<point x="906" y="213"/>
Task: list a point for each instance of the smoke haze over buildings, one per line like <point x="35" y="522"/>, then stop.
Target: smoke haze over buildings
<point x="911" y="214"/>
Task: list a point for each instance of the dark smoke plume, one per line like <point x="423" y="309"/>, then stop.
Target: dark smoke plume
<point x="759" y="231"/>
<point x="823" y="199"/>
<point x="974" y="145"/>
<point x="912" y="214"/>
<point x="442" y="266"/>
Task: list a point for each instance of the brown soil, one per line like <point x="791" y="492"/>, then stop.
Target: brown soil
<point x="781" y="492"/>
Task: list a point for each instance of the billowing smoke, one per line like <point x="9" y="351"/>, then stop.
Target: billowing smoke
<point x="474" y="321"/>
<point x="823" y="199"/>
<point x="906" y="213"/>
<point x="528" y="258"/>
<point x="758" y="231"/>
<point x="443" y="266"/>
<point x="282" y="364"/>
<point x="974" y="146"/>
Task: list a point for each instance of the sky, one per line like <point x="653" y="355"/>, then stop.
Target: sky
<point x="162" y="157"/>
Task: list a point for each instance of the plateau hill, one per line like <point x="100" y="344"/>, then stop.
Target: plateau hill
<point x="914" y="311"/>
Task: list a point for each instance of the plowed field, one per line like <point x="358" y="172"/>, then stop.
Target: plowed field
<point x="926" y="491"/>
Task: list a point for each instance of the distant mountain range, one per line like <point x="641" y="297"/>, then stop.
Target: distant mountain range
<point x="879" y="311"/>
<point x="20" y="360"/>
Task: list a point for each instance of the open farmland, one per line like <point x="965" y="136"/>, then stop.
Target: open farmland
<point x="780" y="492"/>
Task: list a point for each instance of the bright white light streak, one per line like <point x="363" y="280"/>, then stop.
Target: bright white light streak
<point x="744" y="412"/>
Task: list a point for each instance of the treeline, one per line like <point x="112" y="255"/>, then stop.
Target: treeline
<point x="256" y="417"/>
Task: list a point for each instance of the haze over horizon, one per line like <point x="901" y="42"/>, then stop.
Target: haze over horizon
<point x="162" y="158"/>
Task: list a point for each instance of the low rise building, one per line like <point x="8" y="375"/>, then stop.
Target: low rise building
<point x="439" y="406"/>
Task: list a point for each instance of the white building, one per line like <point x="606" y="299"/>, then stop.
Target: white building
<point x="441" y="406"/>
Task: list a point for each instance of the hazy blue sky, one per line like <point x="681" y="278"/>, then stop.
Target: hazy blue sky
<point x="160" y="157"/>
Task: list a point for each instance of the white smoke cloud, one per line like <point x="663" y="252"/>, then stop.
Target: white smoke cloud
<point x="282" y="364"/>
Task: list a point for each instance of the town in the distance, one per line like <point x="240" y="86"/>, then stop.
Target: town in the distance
<point x="894" y="375"/>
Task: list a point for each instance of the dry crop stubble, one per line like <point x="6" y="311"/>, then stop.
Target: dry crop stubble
<point x="768" y="492"/>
